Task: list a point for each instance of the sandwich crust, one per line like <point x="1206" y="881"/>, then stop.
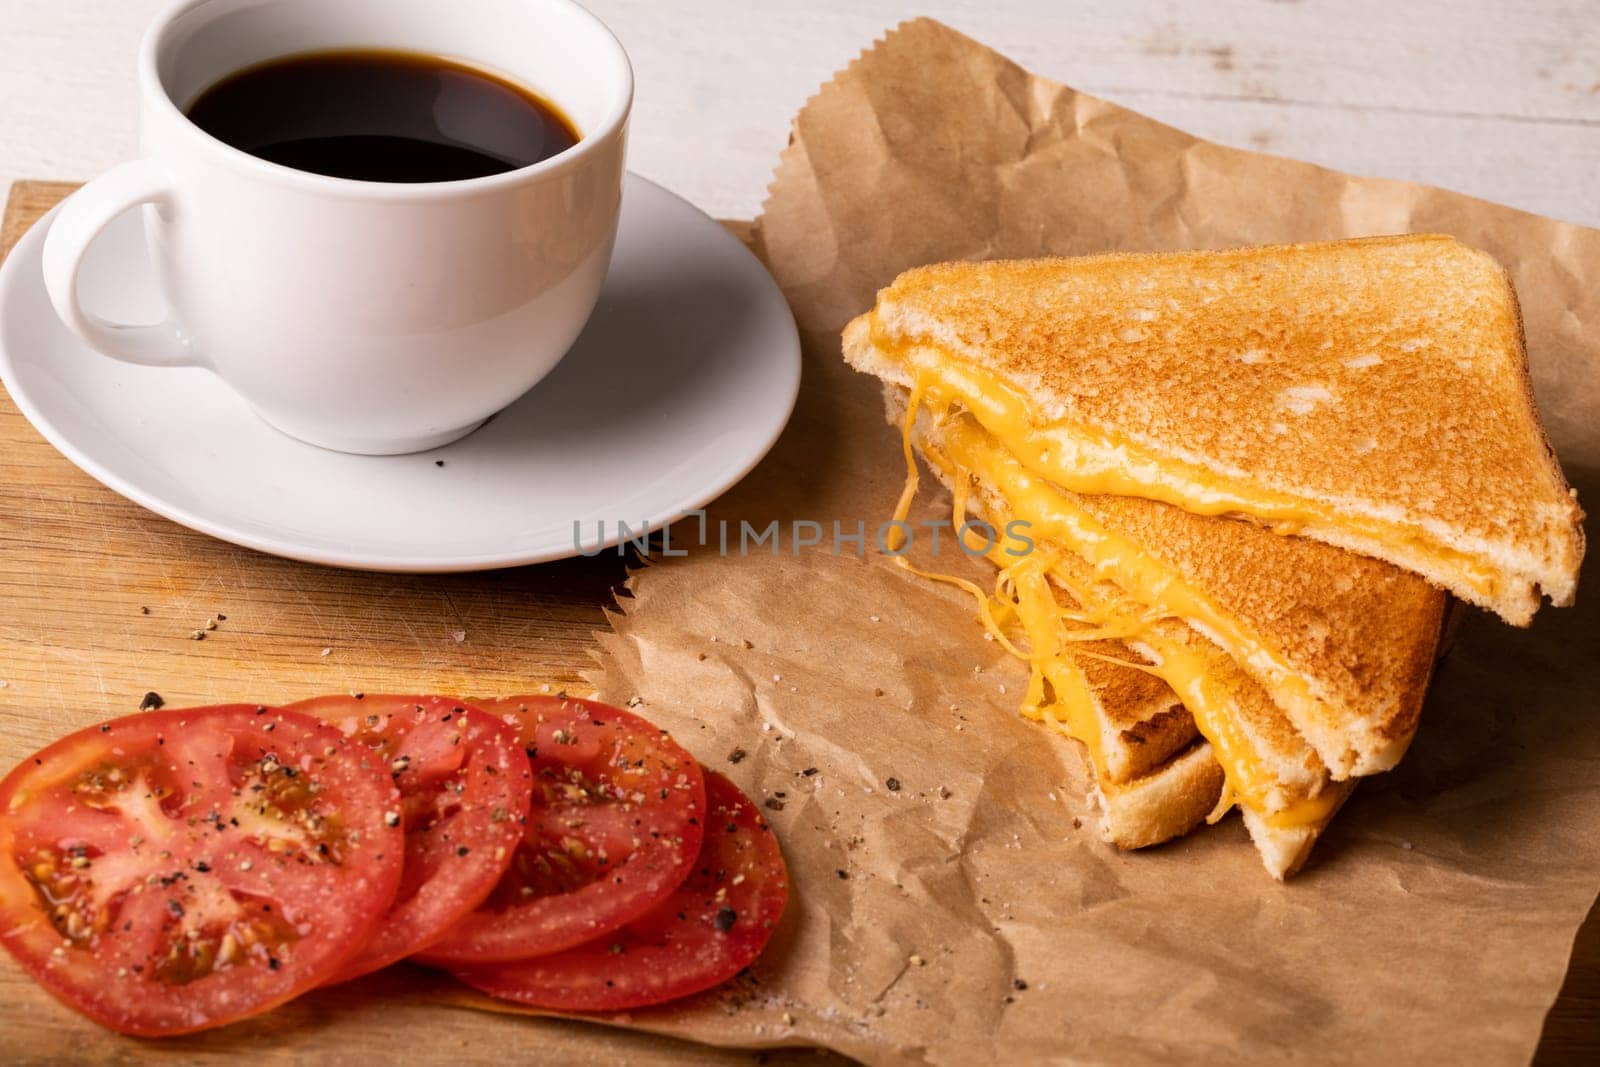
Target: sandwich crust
<point x="1166" y="794"/>
<point x="1166" y="803"/>
<point x="1359" y="634"/>
<point x="1344" y="644"/>
<point x="1284" y="851"/>
<point x="1290" y="766"/>
<point x="1381" y="386"/>
<point x="1143" y="724"/>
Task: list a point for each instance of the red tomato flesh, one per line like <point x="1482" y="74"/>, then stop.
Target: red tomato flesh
<point x="464" y="785"/>
<point x="177" y="870"/>
<point x="613" y="826"/>
<point x="712" y="927"/>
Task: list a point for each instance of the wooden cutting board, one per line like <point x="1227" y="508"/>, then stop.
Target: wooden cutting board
<point x="99" y="601"/>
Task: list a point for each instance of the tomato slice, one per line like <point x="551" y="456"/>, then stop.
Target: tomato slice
<point x="177" y="870"/>
<point x="613" y="826"/>
<point x="464" y="787"/>
<point x="712" y="927"/>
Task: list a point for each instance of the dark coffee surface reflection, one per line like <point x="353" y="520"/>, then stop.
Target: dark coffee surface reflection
<point x="382" y="116"/>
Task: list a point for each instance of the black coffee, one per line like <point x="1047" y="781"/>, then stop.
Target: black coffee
<point x="382" y="116"/>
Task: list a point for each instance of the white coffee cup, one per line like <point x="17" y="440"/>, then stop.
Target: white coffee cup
<point x="361" y="316"/>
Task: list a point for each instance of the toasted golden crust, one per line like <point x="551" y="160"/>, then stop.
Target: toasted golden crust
<point x="1382" y="382"/>
<point x="1360" y="633"/>
<point x="1293" y="768"/>
<point x="1285" y="850"/>
<point x="1344" y="644"/>
<point x="1143" y="723"/>
<point x="1166" y="803"/>
<point x="1165" y="793"/>
<point x="1169" y="801"/>
<point x="1295" y="772"/>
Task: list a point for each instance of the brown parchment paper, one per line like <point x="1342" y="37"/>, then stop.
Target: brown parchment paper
<point x="1435" y="920"/>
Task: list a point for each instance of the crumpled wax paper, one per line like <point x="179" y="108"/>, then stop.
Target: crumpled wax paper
<point x="972" y="915"/>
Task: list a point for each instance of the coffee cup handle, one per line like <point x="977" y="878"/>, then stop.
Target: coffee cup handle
<point x="82" y="217"/>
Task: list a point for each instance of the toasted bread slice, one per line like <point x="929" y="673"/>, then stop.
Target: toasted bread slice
<point x="1281" y="788"/>
<point x="1152" y="776"/>
<point x="1344" y="644"/>
<point x="1371" y="394"/>
<point x="1167" y="802"/>
<point x="1138" y="741"/>
<point x="1275" y="778"/>
<point x="1142" y="723"/>
<point x="1272" y="773"/>
<point x="1285" y="849"/>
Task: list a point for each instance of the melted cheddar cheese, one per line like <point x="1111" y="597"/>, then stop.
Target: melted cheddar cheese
<point x="1058" y="692"/>
<point x="1076" y="457"/>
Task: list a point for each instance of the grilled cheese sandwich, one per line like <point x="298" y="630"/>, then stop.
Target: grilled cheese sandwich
<point x="1369" y="394"/>
<point x="1266" y="768"/>
<point x="1216" y="492"/>
<point x="1355" y="728"/>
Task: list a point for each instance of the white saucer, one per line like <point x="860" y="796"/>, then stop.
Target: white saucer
<point x="682" y="381"/>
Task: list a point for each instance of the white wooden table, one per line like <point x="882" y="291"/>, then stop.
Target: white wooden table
<point x="1499" y="98"/>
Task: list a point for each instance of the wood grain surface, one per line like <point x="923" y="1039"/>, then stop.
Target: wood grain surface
<point x="1485" y="97"/>
<point x="80" y="567"/>
<point x="99" y="601"/>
